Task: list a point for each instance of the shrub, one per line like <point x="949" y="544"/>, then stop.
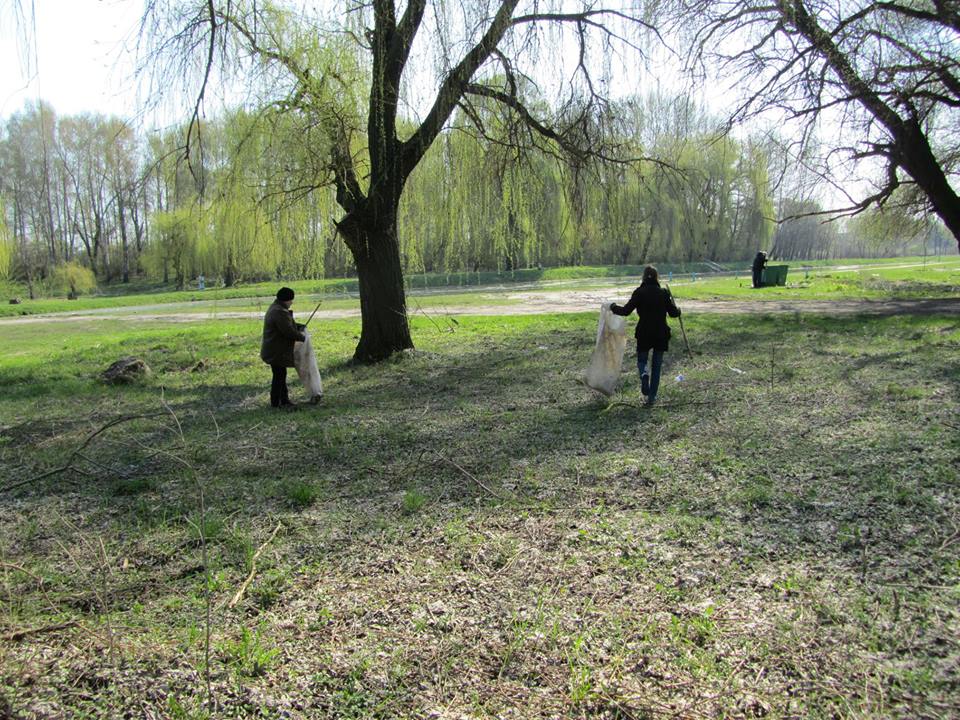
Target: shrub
<point x="73" y="278"/>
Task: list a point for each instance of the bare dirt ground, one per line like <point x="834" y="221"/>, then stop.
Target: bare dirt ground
<point x="533" y="303"/>
<point x="582" y="301"/>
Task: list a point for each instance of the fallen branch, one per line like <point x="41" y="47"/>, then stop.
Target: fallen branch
<point x="20" y="568"/>
<point x="253" y="568"/>
<point x="21" y="634"/>
<point x="69" y="463"/>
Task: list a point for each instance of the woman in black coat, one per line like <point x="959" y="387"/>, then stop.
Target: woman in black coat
<point x="652" y="304"/>
<point x="280" y="332"/>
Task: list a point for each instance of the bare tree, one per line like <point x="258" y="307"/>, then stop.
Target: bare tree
<point x="368" y="143"/>
<point x="881" y="79"/>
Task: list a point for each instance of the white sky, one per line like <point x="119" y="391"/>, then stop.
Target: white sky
<point x="77" y="55"/>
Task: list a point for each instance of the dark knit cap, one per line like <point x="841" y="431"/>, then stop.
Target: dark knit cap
<point x="284" y="294"/>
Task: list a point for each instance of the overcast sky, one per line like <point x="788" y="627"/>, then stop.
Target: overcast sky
<point x="75" y="54"/>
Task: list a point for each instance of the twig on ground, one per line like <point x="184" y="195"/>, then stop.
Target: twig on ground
<point x="215" y="423"/>
<point x="471" y="477"/>
<point x="914" y="586"/>
<point x="253" y="568"/>
<point x="21" y="634"/>
<point x="77" y="452"/>
<point x="96" y="464"/>
<point x="619" y="403"/>
<point x="20" y="568"/>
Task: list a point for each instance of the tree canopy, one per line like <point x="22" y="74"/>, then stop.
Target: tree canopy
<point x="367" y="144"/>
<point x="880" y="79"/>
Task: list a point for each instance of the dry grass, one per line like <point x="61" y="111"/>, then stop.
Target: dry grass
<point x="468" y="532"/>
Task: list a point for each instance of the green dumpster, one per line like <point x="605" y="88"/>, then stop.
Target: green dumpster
<point x="774" y="275"/>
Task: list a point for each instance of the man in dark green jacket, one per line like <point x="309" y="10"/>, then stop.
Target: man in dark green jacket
<point x="280" y="332"/>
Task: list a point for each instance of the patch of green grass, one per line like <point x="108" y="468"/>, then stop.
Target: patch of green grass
<point x="413" y="501"/>
<point x="301" y="493"/>
<point x="250" y="654"/>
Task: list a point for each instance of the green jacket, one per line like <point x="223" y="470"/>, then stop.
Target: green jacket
<point x="280" y="332"/>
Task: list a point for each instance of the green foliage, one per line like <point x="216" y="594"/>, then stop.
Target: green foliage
<point x="413" y="501"/>
<point x="73" y="278"/>
<point x="257" y="204"/>
<point x="888" y="228"/>
<point x="7" y="246"/>
<point x="178" y="235"/>
<point x="301" y="494"/>
<point x="250" y="654"/>
<point x="180" y="711"/>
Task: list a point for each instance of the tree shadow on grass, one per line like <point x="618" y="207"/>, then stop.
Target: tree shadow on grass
<point x="510" y="422"/>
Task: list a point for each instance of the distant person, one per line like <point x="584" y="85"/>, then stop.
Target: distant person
<point x="280" y="332"/>
<point x="652" y="304"/>
<point x="759" y="262"/>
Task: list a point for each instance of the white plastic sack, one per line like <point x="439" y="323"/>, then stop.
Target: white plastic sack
<point x="603" y="373"/>
<point x="305" y="361"/>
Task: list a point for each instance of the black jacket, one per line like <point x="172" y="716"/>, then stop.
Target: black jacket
<point x="280" y="332"/>
<point x="652" y="304"/>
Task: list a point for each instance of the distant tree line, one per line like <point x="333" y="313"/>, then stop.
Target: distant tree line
<point x="92" y="192"/>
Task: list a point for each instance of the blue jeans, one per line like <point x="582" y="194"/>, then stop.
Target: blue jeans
<point x="654" y="370"/>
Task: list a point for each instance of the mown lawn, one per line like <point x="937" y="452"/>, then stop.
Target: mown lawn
<point x="468" y="532"/>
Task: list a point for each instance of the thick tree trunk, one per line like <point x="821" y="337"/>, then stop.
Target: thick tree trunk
<point x="229" y="276"/>
<point x="917" y="158"/>
<point x="383" y="305"/>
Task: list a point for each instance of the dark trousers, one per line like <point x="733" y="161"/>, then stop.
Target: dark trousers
<point x="278" y="388"/>
<point x="757" y="277"/>
<point x="656" y="365"/>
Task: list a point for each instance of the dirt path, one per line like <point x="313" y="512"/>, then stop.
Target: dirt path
<point x="581" y="301"/>
<point x="532" y="303"/>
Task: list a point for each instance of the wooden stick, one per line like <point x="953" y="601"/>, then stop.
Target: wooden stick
<point x="67" y="465"/>
<point x="682" y="330"/>
<point x="21" y="634"/>
<point x="253" y="568"/>
<point x="489" y="490"/>
<point x="313" y="313"/>
<point x="689" y="351"/>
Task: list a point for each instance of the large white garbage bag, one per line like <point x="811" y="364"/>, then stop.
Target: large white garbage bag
<point x="603" y="373"/>
<point x="305" y="361"/>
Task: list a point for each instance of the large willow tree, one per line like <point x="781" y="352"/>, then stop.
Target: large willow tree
<point x="357" y="76"/>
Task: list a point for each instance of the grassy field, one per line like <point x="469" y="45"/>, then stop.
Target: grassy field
<point x="466" y="531"/>
<point x="877" y="278"/>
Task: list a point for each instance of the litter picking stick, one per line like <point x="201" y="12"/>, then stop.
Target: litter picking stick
<point x="313" y="313"/>
<point x="684" y="333"/>
<point x="682" y="330"/>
